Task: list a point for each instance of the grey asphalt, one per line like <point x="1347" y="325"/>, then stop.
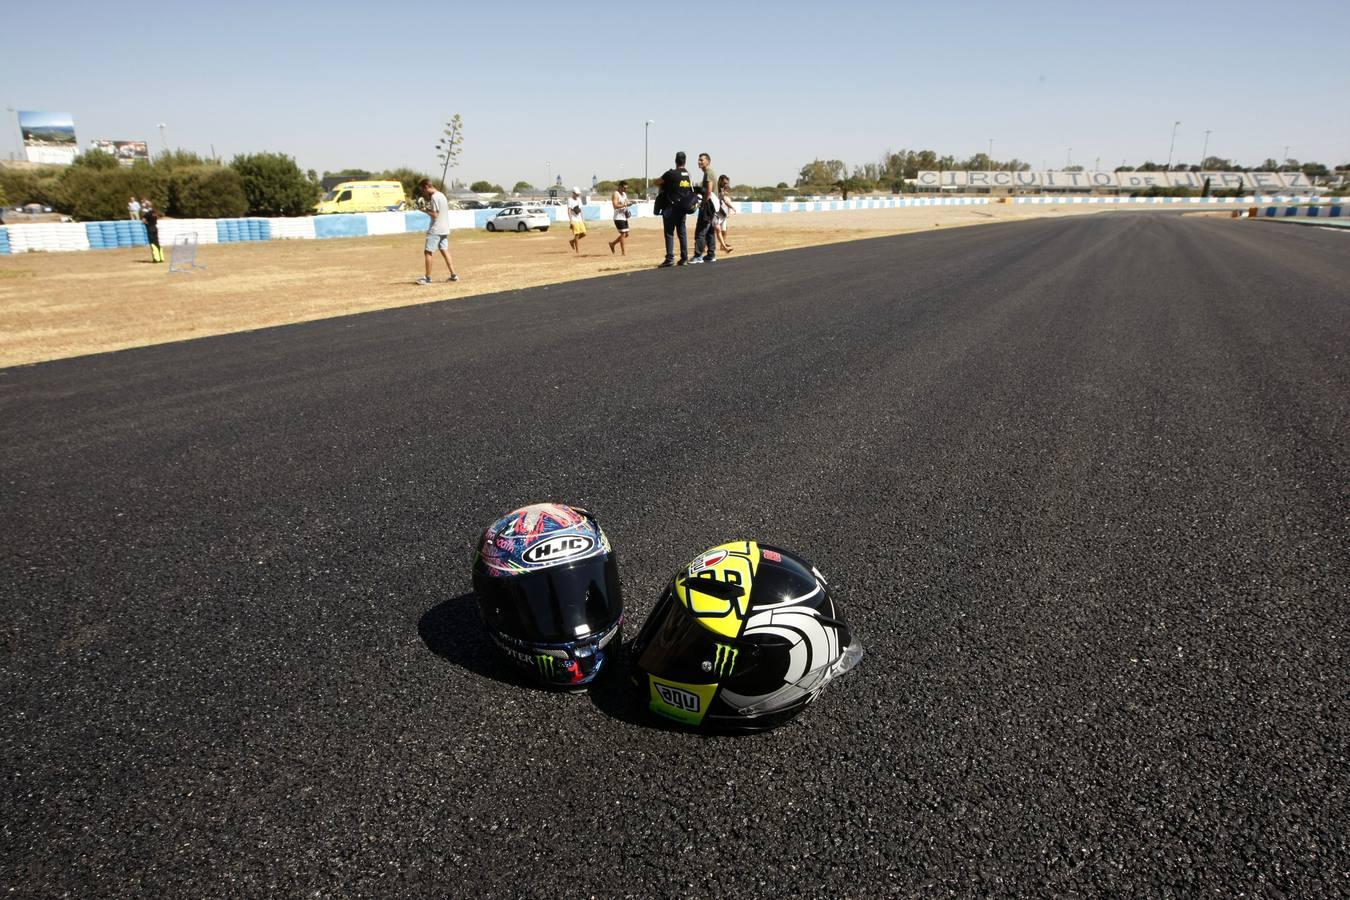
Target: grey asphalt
<point x="1080" y="486"/>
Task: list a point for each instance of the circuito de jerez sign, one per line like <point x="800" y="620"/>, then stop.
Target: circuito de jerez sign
<point x="1061" y="180"/>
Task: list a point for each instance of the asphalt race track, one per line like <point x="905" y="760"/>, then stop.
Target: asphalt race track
<point x="1081" y="486"/>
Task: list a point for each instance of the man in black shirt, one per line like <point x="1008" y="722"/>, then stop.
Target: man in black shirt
<point x="677" y="191"/>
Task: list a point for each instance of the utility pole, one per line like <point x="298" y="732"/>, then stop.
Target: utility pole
<point x="1172" y="146"/>
<point x="990" y="167"/>
<point x="1204" y="154"/>
<point x="162" y="139"/>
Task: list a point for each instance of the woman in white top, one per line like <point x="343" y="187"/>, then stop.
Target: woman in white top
<point x="622" y="205"/>
<point x="725" y="208"/>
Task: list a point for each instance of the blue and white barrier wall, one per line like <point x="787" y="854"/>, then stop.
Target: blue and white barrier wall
<point x="63" y="236"/>
<point x="1308" y="212"/>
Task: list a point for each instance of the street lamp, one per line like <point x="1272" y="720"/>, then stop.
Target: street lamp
<point x="162" y="139"/>
<point x="1204" y="154"/>
<point x="1172" y="146"/>
<point x="990" y="160"/>
<point x="646" y="181"/>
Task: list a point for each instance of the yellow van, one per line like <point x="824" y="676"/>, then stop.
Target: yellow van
<point x="363" y="196"/>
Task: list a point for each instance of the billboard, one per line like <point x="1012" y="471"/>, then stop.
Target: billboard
<point x="48" y="137"/>
<point x="1260" y="182"/>
<point x="127" y="152"/>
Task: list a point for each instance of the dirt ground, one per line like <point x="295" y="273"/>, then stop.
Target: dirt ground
<point x="55" y="305"/>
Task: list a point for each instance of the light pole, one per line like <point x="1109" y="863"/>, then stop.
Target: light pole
<point x="1284" y="159"/>
<point x="1204" y="154"/>
<point x="646" y="181"/>
<point x="162" y="139"/>
<point x="1068" y="157"/>
<point x="990" y="167"/>
<point x="1172" y="146"/>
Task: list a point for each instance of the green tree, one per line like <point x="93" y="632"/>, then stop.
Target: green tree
<point x="409" y="178"/>
<point x="483" y="187"/>
<point x="350" y="175"/>
<point x="95" y="159"/>
<point x="820" y="172"/>
<point x="207" y="192"/>
<point x="34" y="185"/>
<point x="274" y="185"/>
<point x="179" y="159"/>
<point x="522" y="187"/>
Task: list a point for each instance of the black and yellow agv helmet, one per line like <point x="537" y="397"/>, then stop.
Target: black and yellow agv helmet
<point x="742" y="640"/>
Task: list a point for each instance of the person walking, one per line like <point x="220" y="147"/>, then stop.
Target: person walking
<point x="151" y="220"/>
<point x="622" y="206"/>
<point x="725" y="208"/>
<point x="438" y="232"/>
<point x="575" y="220"/>
<point x="134" y="209"/>
<point x="674" y="199"/>
<point x="705" y="232"/>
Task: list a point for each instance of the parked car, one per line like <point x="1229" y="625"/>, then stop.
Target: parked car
<point x="519" y="218"/>
<point x="472" y="204"/>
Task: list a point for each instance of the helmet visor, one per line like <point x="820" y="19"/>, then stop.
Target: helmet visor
<point x="555" y="605"/>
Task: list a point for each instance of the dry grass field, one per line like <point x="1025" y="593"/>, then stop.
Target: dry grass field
<point x="56" y="305"/>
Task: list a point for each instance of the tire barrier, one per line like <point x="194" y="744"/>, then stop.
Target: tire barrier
<point x="110" y="235"/>
<point x="230" y="231"/>
<point x="66" y="236"/>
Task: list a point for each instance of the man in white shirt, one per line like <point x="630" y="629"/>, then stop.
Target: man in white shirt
<point x="438" y="232"/>
<point x="134" y="209"/>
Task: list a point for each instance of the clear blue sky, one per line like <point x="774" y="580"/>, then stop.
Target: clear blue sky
<point x="565" y="87"/>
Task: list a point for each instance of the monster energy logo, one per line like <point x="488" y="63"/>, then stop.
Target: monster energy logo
<point x="726" y="659"/>
<point x="548" y="665"/>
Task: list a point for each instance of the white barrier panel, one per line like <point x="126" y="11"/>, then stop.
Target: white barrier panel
<point x="170" y="229"/>
<point x="386" y="223"/>
<point x="53" y="237"/>
<point x="461" y="219"/>
<point x="292" y="228"/>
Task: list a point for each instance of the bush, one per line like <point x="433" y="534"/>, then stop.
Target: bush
<point x="90" y="193"/>
<point x="25" y="185"/>
<point x="409" y="179"/>
<point x="274" y="185"/>
<point x="207" y="192"/>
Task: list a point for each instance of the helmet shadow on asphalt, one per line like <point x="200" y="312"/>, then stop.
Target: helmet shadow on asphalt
<point x="453" y="631"/>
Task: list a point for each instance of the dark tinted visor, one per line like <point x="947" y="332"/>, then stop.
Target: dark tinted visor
<point x="556" y="605"/>
<point x="674" y="645"/>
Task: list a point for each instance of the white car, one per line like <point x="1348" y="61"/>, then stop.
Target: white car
<point x="519" y="218"/>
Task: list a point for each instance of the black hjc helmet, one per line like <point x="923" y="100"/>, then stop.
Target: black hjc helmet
<point x="742" y="640"/>
<point x="548" y="589"/>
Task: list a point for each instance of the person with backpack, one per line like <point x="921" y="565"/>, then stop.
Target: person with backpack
<point x="675" y="202"/>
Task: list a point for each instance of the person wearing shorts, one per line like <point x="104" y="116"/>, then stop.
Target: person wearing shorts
<point x="622" y="205"/>
<point x="438" y="232"/>
<point x="575" y="220"/>
<point x="725" y="208"/>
